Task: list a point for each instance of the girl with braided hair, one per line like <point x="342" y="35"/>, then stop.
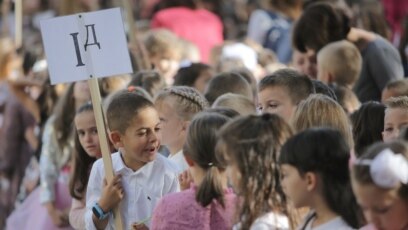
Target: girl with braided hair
<point x="176" y="106"/>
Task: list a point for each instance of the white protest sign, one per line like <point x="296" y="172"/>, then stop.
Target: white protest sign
<point x="85" y="44"/>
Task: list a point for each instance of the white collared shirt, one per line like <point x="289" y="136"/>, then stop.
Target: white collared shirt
<point x="142" y="188"/>
<point x="179" y="160"/>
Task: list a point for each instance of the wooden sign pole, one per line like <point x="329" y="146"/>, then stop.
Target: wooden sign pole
<point x="18" y="11"/>
<point x="83" y="30"/>
<point x="142" y="62"/>
<point x="103" y="140"/>
<point x="100" y="125"/>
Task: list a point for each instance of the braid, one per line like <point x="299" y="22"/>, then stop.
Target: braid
<point x="190" y="94"/>
<point x="188" y="101"/>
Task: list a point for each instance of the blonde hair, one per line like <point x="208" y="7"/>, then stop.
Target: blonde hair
<point x="343" y="60"/>
<point x="189" y="51"/>
<point x="237" y="102"/>
<point x="188" y="101"/>
<point x="319" y="110"/>
<point x="399" y="87"/>
<point x="397" y="103"/>
<point x="163" y="43"/>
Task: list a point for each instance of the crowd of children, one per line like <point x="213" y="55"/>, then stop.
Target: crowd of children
<point x="267" y="114"/>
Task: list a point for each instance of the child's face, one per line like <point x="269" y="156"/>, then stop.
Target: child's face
<point x="294" y="186"/>
<point x="394" y="120"/>
<point x="276" y="100"/>
<point x="306" y="63"/>
<point x="87" y="133"/>
<point x="171" y="122"/>
<point x="383" y="208"/>
<point x="141" y="140"/>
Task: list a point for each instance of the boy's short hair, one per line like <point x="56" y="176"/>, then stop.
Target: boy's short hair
<point x="227" y="83"/>
<point x="223" y="111"/>
<point x="298" y="85"/>
<point x="237" y="102"/>
<point x="345" y="96"/>
<point x="324" y="89"/>
<point x="397" y="103"/>
<point x="399" y="87"/>
<point x="343" y="60"/>
<point x="123" y="108"/>
<point x="249" y="77"/>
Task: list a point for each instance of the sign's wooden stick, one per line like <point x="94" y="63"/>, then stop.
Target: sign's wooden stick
<point x="103" y="140"/>
<point x="18" y="11"/>
<point x="142" y="62"/>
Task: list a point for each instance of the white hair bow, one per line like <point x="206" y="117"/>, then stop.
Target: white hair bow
<point x="387" y="169"/>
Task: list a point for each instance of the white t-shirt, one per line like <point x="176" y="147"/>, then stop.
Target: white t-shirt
<point x="271" y="221"/>
<point x="180" y="161"/>
<point x="142" y="188"/>
<point x="337" y="223"/>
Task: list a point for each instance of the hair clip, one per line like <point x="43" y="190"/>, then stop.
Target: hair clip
<point x="387" y="169"/>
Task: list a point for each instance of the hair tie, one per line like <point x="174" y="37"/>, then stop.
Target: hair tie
<point x="387" y="169"/>
<point x="210" y="164"/>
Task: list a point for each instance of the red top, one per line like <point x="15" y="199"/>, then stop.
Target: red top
<point x="201" y="27"/>
<point x="395" y="11"/>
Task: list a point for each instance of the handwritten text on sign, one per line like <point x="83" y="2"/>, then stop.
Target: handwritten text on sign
<point x="84" y="45"/>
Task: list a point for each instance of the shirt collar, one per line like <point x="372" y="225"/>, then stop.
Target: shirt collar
<point x="120" y="167"/>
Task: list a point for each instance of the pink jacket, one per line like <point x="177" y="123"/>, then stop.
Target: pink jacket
<point x="181" y="211"/>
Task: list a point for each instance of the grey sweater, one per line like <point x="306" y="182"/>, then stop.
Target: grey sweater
<point x="381" y="64"/>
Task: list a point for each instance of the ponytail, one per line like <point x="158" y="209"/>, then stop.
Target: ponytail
<point x="210" y="188"/>
<point x="200" y="148"/>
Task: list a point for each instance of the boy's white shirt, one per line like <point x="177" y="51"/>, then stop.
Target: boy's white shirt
<point x="179" y="160"/>
<point x="142" y="189"/>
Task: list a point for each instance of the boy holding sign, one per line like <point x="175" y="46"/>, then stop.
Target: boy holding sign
<point x="142" y="175"/>
<point x="93" y="45"/>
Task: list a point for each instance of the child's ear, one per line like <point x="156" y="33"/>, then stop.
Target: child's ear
<point x="311" y="181"/>
<point x="330" y="78"/>
<point x="185" y="125"/>
<point x="189" y="161"/>
<point x="116" y="139"/>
